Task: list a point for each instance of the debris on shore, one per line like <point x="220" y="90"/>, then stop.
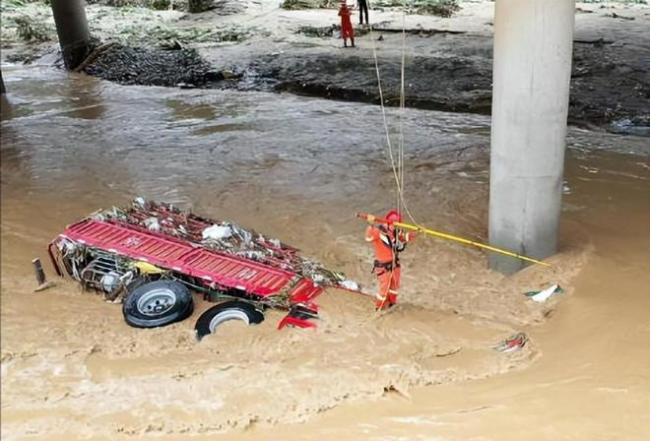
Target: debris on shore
<point x="156" y="67"/>
<point x="440" y="8"/>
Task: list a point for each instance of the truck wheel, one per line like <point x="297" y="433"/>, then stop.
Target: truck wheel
<point x="223" y="312"/>
<point x="158" y="303"/>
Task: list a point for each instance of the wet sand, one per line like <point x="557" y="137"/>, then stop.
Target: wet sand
<point x="71" y="368"/>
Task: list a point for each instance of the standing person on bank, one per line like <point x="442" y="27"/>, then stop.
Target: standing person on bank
<point x="346" y="24"/>
<point x="363" y="6"/>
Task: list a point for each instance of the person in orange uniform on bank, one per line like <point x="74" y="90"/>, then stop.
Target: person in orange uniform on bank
<point x="388" y="242"/>
<point x="346" y="24"/>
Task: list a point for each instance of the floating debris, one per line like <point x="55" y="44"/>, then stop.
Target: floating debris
<point x="542" y="296"/>
<point x="225" y="237"/>
<point x="513" y="343"/>
<point x="217" y="232"/>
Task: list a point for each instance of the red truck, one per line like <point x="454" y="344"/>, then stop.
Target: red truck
<point x="152" y="256"/>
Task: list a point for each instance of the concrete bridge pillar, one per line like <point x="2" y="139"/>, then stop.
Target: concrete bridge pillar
<point x="533" y="43"/>
<point x="72" y="29"/>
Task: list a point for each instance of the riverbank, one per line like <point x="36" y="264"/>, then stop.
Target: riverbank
<point x="259" y="47"/>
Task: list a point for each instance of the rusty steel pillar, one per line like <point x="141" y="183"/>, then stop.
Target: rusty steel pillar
<point x="72" y="29"/>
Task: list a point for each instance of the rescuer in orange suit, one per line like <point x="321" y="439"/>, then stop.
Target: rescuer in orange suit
<point x="388" y="242"/>
<point x="346" y="24"/>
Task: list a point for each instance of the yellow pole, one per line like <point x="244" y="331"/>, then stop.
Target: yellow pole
<point x="462" y="240"/>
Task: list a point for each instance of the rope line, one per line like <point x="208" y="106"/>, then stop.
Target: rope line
<point x="400" y="143"/>
<point x="397" y="166"/>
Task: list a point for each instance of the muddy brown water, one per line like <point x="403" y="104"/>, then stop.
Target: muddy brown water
<point x="299" y="169"/>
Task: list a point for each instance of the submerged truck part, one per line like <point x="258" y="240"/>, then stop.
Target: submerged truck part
<point x="38" y="271"/>
<point x="157" y="303"/>
<point x="114" y="251"/>
<point x="72" y="30"/>
<point x="234" y="310"/>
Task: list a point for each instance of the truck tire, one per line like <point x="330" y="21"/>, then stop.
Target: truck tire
<point x="231" y="310"/>
<point x="158" y="303"/>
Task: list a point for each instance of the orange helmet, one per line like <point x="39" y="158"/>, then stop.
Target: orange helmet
<point x="394" y="216"/>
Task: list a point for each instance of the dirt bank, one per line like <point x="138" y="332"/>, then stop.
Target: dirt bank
<point x="448" y="60"/>
<point x="609" y="85"/>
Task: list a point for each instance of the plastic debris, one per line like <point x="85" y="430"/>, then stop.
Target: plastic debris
<point x="217" y="232"/>
<point x="513" y="343"/>
<point x="47" y="285"/>
<point x="350" y="285"/>
<point x="542" y="296"/>
<point x="221" y="236"/>
<point x="152" y="224"/>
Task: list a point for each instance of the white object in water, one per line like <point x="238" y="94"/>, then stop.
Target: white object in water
<point x="543" y="296"/>
<point x="110" y="281"/>
<point x="350" y="284"/>
<point x="152" y="224"/>
<point x="217" y="232"/>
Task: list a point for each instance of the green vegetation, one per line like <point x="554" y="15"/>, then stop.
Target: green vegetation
<point x="199" y="5"/>
<point x="27" y="21"/>
<point x="175" y="38"/>
<point x="316" y="31"/>
<point x="161" y="5"/>
<point x="151" y="4"/>
<point x="309" y="4"/>
<point x="198" y="35"/>
<point x="31" y="30"/>
<point x="638" y="2"/>
<point x="441" y="8"/>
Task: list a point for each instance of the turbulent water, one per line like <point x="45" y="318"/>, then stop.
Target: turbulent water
<point x="298" y="169"/>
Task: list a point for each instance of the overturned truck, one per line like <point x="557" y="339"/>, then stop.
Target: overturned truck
<point x="152" y="256"/>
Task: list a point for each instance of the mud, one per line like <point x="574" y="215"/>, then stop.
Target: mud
<point x="462" y="84"/>
<point x="609" y="84"/>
